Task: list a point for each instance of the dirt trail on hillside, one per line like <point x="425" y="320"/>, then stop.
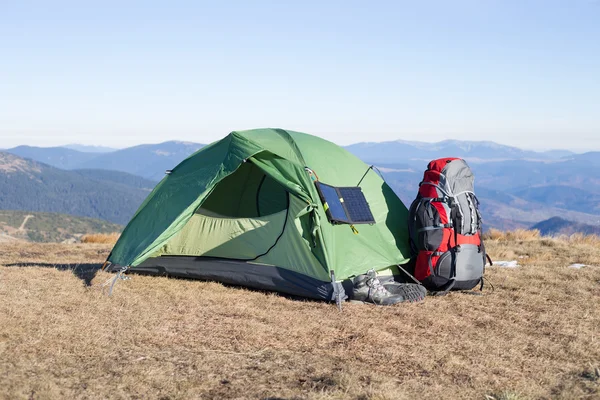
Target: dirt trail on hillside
<point x="22" y="227"/>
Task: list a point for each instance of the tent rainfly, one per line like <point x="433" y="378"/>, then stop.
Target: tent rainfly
<point x="269" y="209"/>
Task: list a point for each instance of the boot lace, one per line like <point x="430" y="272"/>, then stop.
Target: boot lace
<point x="375" y="285"/>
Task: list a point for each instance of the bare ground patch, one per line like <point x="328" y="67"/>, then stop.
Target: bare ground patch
<point x="535" y="336"/>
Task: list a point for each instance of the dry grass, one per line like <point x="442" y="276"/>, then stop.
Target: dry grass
<point x="535" y="336"/>
<point x="520" y="235"/>
<point x="101" y="238"/>
<point x="511" y="236"/>
<point x="579" y="238"/>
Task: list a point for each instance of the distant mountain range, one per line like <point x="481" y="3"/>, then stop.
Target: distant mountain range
<point x="565" y="197"/>
<point x="592" y="157"/>
<point x="400" y="151"/>
<point x="59" y="157"/>
<point x="517" y="188"/>
<point x="152" y="160"/>
<point x="149" y="161"/>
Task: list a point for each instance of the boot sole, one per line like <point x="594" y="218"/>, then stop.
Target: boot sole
<point x="410" y="291"/>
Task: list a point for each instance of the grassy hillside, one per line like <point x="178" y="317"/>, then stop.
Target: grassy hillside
<point x="31" y="186"/>
<point x="49" y="227"/>
<point x="535" y="336"/>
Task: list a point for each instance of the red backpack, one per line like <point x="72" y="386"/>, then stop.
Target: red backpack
<point x="445" y="228"/>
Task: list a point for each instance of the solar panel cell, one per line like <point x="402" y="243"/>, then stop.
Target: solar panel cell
<point x="332" y="199"/>
<point x="356" y="205"/>
<point x="345" y="204"/>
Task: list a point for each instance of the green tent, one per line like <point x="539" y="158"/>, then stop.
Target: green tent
<point x="246" y="210"/>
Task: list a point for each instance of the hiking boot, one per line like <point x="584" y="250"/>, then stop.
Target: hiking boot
<point x="410" y="291"/>
<point x="369" y="289"/>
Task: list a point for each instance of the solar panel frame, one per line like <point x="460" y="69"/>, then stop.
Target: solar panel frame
<point x="352" y="200"/>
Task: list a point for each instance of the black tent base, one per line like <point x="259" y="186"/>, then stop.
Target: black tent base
<point x="239" y="273"/>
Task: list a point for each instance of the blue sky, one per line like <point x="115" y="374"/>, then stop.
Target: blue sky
<point x="119" y="73"/>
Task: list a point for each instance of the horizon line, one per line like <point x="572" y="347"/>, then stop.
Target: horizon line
<point x="408" y="142"/>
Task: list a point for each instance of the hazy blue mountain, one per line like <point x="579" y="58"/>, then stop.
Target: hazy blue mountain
<point x="568" y="197"/>
<point x="559" y="226"/>
<point x="556" y="154"/>
<point x="122" y="178"/>
<point x="147" y="160"/>
<point x="407" y="151"/>
<point x="523" y="174"/>
<point x="504" y="210"/>
<point x="59" y="157"/>
<point x="89" y="149"/>
<point x="592" y="157"/>
<point x="32" y="186"/>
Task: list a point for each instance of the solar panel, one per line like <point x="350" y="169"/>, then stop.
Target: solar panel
<point x="345" y="205"/>
<point x="356" y="205"/>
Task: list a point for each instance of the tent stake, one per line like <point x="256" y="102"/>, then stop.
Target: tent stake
<point x="338" y="295"/>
